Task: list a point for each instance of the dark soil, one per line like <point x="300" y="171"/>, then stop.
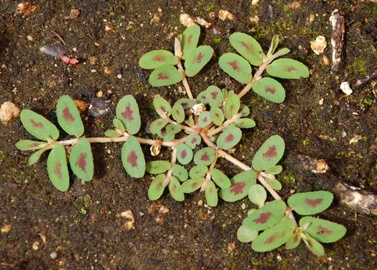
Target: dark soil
<point x="84" y="228"/>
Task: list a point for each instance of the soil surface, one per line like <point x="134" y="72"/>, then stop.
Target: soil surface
<point x="87" y="226"/>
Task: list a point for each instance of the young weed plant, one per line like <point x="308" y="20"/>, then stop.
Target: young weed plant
<point x="198" y="132"/>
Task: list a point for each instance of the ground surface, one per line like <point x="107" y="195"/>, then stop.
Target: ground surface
<point x="84" y="227"/>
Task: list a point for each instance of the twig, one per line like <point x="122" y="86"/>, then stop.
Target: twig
<point x="61" y="39"/>
<point x="366" y="78"/>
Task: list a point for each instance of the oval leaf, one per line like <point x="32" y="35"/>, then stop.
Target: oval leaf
<point x="220" y="178"/>
<point x="323" y="230"/>
<point x="245" y="123"/>
<point x="236" y="67"/>
<point x="157" y="58"/>
<point x="133" y="157"/>
<point x="25" y="145"/>
<point x="161" y="104"/>
<point x="38" y="126"/>
<point x="248" y="47"/>
<point x="180" y="172"/>
<point x="193" y="140"/>
<point x="57" y="168"/>
<point x="286" y="68"/>
<point x="232" y="105"/>
<point x="270" y="89"/>
<point x="81" y="160"/>
<point x="241" y="184"/>
<point x="274" y="237"/>
<point x="230" y="136"/>
<point x="204" y="156"/>
<point x="175" y="189"/>
<point x="314" y="245"/>
<point x="217" y="116"/>
<point x="198" y="171"/>
<point x="267" y="216"/>
<point x="157" y="166"/>
<point x="211" y="194"/>
<point x="158" y="124"/>
<point x="165" y="75"/>
<point x="127" y="111"/>
<point x="36" y="156"/>
<point x="178" y="113"/>
<point x="245" y="234"/>
<point x="215" y="96"/>
<point x="310" y="203"/>
<point x="197" y="59"/>
<point x="294" y="241"/>
<point x="192" y="185"/>
<point x="204" y="119"/>
<point x="157" y="187"/>
<point x="269" y="153"/>
<point x="257" y="195"/>
<point x="184" y="153"/>
<point x="190" y="38"/>
<point x="69" y="117"/>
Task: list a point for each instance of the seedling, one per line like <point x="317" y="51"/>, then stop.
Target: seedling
<point x="57" y="51"/>
<point x="198" y="132"/>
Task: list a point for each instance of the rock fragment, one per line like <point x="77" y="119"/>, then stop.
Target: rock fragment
<point x="8" y="111"/>
<point x="337" y="40"/>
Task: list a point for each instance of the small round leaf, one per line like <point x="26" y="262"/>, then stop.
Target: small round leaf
<point x="165" y="75"/>
<point x="236" y="67"/>
<point x="248" y="47"/>
<point x="217" y="116"/>
<point x="241" y="184"/>
<point x="193" y="140"/>
<point x="230" y="136"/>
<point x="211" y="194"/>
<point x="180" y="172"/>
<point x="220" y="178"/>
<point x="270" y="89"/>
<point x="157" y="166"/>
<point x="232" y="105"/>
<point x="176" y="190"/>
<point x="160" y="103"/>
<point x="286" y="68"/>
<point x="133" y="157"/>
<point x="69" y="117"/>
<point x="178" y="113"/>
<point x="197" y="59"/>
<point x="184" y="153"/>
<point x="204" y="156"/>
<point x="192" y="185"/>
<point x="245" y="123"/>
<point x="310" y="203"/>
<point x="245" y="234"/>
<point x="127" y="111"/>
<point x="198" y="171"/>
<point x="190" y="38"/>
<point x="269" y="153"/>
<point x="257" y="195"/>
<point x="81" y="160"/>
<point x="157" y="58"/>
<point x="157" y="187"/>
<point x="204" y="119"/>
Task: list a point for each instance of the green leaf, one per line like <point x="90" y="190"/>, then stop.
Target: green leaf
<point x="245" y="123"/>
<point x="162" y="104"/>
<point x="165" y="75"/>
<point x="245" y="234"/>
<point x="193" y="140"/>
<point x="274" y="170"/>
<point x="186" y="103"/>
<point x="232" y="105"/>
<point x="287" y="68"/>
<point x="257" y="195"/>
<point x="157" y="187"/>
<point x="274" y="44"/>
<point x="211" y="194"/>
<point x="176" y="190"/>
<point x="57" y="167"/>
<point x="267" y="216"/>
<point x="241" y="183"/>
<point x="69" y="117"/>
<point x="133" y="157"/>
<point x="230" y="136"/>
<point x="157" y="166"/>
<point x="313" y="245"/>
<point x="269" y="153"/>
<point x="158" y="124"/>
<point x="294" y="241"/>
<point x="38" y="126"/>
<point x="157" y="58"/>
<point x="180" y="172"/>
<point x="184" y="153"/>
<point x="214" y="95"/>
<point x="275" y="184"/>
<point x="281" y="52"/>
<point x="244" y="110"/>
<point x="198" y="171"/>
<point x="36" y="155"/>
<point x="127" y="111"/>
<point x="248" y="47"/>
<point x="173" y="129"/>
<point x="204" y="119"/>
<point x="217" y="116"/>
<point x="323" y="230"/>
<point x="274" y="237"/>
<point x="220" y="178"/>
<point x="81" y="160"/>
<point x="310" y="203"/>
<point x="270" y="89"/>
<point x="236" y="67"/>
<point x="25" y="145"/>
<point x="117" y="123"/>
<point x="178" y="113"/>
<point x="204" y="156"/>
<point x="165" y="135"/>
<point x="190" y="38"/>
<point x="192" y="185"/>
<point x="112" y="133"/>
<point x="197" y="59"/>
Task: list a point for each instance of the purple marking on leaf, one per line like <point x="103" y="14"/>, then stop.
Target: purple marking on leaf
<point x="194" y="185"/>
<point x="205" y="157"/>
<point x="81" y="161"/>
<point x="132" y="159"/>
<point x="248" y="47"/>
<point x="67" y="115"/>
<point x="271" y="152"/>
<point x="238" y="188"/>
<point x="205" y="119"/>
<point x="178" y="112"/>
<point x="194" y="140"/>
<point x="159" y="58"/>
<point x="313" y="202"/>
<point x="58" y="170"/>
<point x="289" y="69"/>
<point x="235" y="65"/>
<point x="229" y="138"/>
<point x="164" y="132"/>
<point x="162" y="76"/>
<point x="128" y="113"/>
<point x="263" y="218"/>
<point x="271" y="90"/>
<point x="271" y="239"/>
<point x="198" y="58"/>
<point x="322" y="230"/>
<point x="36" y="124"/>
<point x="189" y="38"/>
<point x="174" y="188"/>
<point x="183" y="154"/>
<point x="214" y="95"/>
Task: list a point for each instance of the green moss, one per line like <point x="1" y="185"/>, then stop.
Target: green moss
<point x="357" y="67"/>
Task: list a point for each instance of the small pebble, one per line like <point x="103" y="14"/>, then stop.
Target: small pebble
<point x="53" y="255"/>
<point x="346" y="89"/>
<point x="318" y="45"/>
<point x="119" y="76"/>
<point x="8" y="111"/>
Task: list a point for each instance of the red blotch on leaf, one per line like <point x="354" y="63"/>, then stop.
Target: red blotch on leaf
<point x="159" y="58"/>
<point x="313" y="202"/>
<point x="271" y="152"/>
<point x="205" y="157"/>
<point x="58" y="170"/>
<point x="322" y="230"/>
<point x="183" y="154"/>
<point x="128" y="113"/>
<point x="271" y="90"/>
<point x="81" y="161"/>
<point x="214" y="95"/>
<point x="229" y="138"/>
<point x="132" y="159"/>
<point x="263" y="218"/>
<point x="248" y="47"/>
<point x="289" y="69"/>
<point x="162" y="76"/>
<point x="67" y="115"/>
<point x="235" y="65"/>
<point x="238" y="188"/>
<point x="36" y="124"/>
<point x="198" y="58"/>
<point x="270" y="239"/>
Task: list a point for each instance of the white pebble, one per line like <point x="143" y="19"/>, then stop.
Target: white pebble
<point x="53" y="255"/>
<point x="345" y="87"/>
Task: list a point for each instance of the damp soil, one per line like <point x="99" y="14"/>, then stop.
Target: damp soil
<point x="87" y="226"/>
